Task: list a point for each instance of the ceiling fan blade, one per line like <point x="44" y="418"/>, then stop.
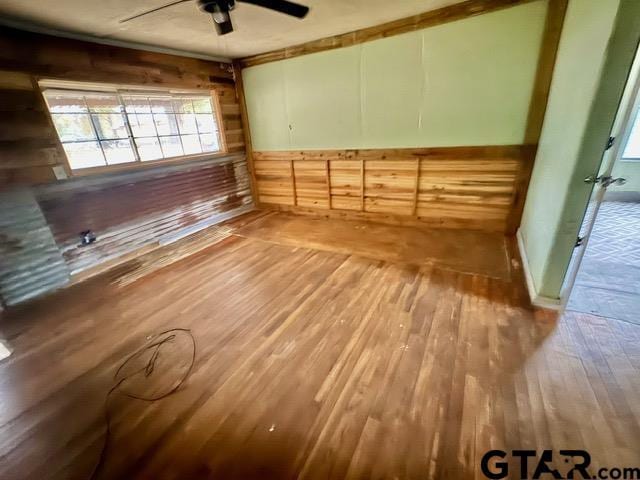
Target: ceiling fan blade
<point x="282" y="6"/>
<point x="138" y="15"/>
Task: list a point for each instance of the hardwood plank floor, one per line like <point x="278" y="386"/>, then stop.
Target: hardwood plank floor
<point x="465" y="251"/>
<point x="310" y="364"/>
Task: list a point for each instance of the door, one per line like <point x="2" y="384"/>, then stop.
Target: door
<point x="607" y="215"/>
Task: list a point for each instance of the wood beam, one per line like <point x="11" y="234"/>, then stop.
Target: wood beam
<point x="294" y="193"/>
<point x="246" y="131"/>
<point x="538" y="106"/>
<point x="362" y="184"/>
<point x="428" y="19"/>
<point x="416" y="188"/>
<point x="327" y="172"/>
<point x="546" y="63"/>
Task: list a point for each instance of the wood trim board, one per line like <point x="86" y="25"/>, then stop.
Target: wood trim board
<point x="246" y="128"/>
<point x="538" y="106"/>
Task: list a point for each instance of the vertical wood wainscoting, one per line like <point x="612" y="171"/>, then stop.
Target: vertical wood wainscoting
<point x="460" y="187"/>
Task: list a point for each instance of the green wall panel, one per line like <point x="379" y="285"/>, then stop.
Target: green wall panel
<point x="467" y="82"/>
<point x="392" y="91"/>
<point x="266" y="91"/>
<point x="317" y="87"/>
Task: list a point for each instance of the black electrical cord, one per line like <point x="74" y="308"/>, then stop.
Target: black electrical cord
<point x="155" y="346"/>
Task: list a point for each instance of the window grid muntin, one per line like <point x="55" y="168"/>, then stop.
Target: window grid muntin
<point x="215" y="132"/>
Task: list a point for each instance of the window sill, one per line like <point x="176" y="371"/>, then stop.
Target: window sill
<point x="136" y="166"/>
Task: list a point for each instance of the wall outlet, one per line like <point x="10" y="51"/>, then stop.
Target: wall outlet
<point x="60" y="172"/>
<point x="5" y="351"/>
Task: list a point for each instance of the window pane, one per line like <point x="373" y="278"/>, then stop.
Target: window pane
<point x="109" y="128"/>
<point x="209" y="142"/>
<point x="183" y="105"/>
<point x="187" y="123"/>
<point x="65" y="103"/>
<point x="110" y="125"/>
<point x="202" y="105"/>
<point x="206" y="123"/>
<point x="148" y="148"/>
<point x="166" y="123"/>
<point x="84" y="154"/>
<point x="161" y="104"/>
<point x="142" y="125"/>
<point x="135" y="104"/>
<point x="118" y="151"/>
<point x="73" y="127"/>
<point x="191" y="144"/>
<point x="632" y="149"/>
<point x="103" y="103"/>
<point x="171" y="146"/>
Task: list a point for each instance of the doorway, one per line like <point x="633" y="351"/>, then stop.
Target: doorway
<point x="604" y="275"/>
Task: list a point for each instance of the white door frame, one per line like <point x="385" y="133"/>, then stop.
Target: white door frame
<point x="621" y="131"/>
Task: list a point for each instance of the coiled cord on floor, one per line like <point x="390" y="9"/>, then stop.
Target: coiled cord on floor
<point x="155" y="346"/>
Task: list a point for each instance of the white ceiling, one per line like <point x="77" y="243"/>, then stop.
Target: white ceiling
<point x="184" y="28"/>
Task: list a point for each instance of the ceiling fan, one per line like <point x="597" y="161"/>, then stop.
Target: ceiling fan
<point x="219" y="10"/>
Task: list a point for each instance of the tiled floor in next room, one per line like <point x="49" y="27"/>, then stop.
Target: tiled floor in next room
<point x="608" y="283"/>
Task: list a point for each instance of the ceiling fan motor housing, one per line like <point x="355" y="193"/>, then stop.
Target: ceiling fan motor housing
<point x="211" y="6"/>
<point x="219" y="10"/>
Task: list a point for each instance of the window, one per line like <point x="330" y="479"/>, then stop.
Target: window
<point x="632" y="147"/>
<point x="99" y="129"/>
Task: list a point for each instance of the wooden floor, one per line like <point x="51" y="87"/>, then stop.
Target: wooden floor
<point x="311" y="364"/>
<point x="465" y="251"/>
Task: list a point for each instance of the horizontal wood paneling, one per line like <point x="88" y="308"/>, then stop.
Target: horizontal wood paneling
<point x="346" y="184"/>
<point x="311" y="184"/>
<point x="231" y="120"/>
<point x="431" y="18"/>
<point x="471" y="187"/>
<point x="29" y="146"/>
<point x="48" y="56"/>
<point x="275" y="183"/>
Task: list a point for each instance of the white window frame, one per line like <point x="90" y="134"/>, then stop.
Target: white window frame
<point x="120" y="91"/>
<point x="626" y="135"/>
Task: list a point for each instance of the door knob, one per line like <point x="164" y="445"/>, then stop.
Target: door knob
<point x="591" y="179"/>
<point x="605" y="180"/>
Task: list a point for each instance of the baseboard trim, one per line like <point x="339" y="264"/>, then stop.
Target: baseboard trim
<point x="536" y="300"/>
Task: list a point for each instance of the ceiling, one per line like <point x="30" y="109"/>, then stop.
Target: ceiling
<point x="184" y="28"/>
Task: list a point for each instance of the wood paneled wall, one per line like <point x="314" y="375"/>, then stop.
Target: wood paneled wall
<point x="56" y="57"/>
<point x="232" y="132"/>
<point x="468" y="187"/>
<point x="127" y="210"/>
<point x="29" y="146"/>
